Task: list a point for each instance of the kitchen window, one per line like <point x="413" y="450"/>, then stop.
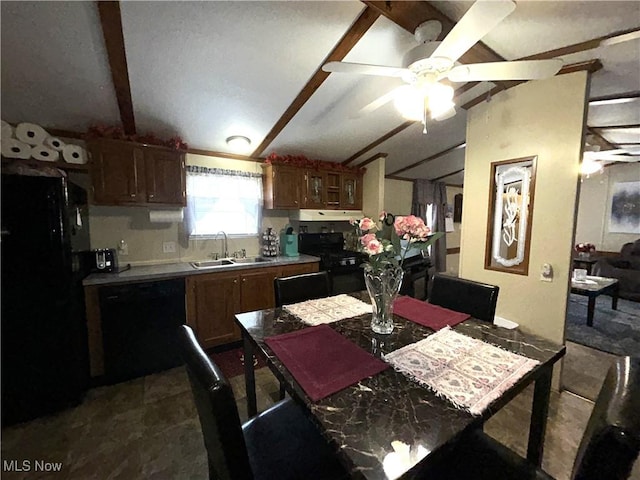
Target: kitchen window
<point x="220" y="199"/>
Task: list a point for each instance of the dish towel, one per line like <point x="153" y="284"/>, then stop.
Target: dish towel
<point x="322" y="361"/>
<point x="427" y="314"/>
<point x="468" y="372"/>
<point x="329" y="309"/>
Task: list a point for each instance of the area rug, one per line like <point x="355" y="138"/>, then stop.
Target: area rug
<point x="231" y="362"/>
<point x="613" y="331"/>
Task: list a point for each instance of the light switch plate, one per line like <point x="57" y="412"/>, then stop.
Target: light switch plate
<point x="168" y="247"/>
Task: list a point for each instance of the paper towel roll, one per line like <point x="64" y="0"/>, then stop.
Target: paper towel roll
<point x="7" y="130"/>
<point x="31" y="133"/>
<point x="74" y="154"/>
<point x="45" y="154"/>
<point x="54" y="143"/>
<point x="165" y="216"/>
<point x="12" y="148"/>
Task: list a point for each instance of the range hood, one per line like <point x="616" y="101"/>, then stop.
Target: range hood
<point x="309" y="215"/>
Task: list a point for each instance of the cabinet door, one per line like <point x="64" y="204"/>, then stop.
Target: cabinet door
<point x="351" y="195"/>
<point x="286" y="191"/>
<point x="212" y="302"/>
<point x="257" y="289"/>
<point x="315" y="189"/>
<point x="334" y="186"/>
<point x="165" y="176"/>
<point x="117" y="174"/>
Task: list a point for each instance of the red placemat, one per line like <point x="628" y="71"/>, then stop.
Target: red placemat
<point x="322" y="361"/>
<point x="427" y="314"/>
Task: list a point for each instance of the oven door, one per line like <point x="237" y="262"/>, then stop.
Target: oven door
<point x="347" y="279"/>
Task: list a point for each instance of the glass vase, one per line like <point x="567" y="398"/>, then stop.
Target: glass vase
<point x="383" y="285"/>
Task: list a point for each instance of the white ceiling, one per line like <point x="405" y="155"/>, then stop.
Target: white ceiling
<point x="208" y="70"/>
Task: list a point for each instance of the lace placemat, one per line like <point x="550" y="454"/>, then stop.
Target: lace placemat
<point x="329" y="309"/>
<point x="468" y="372"/>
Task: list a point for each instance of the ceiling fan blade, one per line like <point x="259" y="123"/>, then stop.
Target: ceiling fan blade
<point x="364" y="69"/>
<point x="475" y="24"/>
<point x="516" y="70"/>
<point x="377" y="103"/>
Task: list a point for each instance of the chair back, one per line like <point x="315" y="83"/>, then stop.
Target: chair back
<point x="477" y="299"/>
<point x="299" y="288"/>
<point x="216" y="406"/>
<point x="611" y="441"/>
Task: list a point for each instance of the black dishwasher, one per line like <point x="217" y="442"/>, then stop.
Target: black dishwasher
<point x="139" y="325"/>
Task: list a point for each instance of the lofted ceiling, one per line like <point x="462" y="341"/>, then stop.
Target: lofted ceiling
<point x="209" y="70"/>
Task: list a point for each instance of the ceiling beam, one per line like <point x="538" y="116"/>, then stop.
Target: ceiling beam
<point x="378" y="141"/>
<point x="600" y="140"/>
<point x="447" y="175"/>
<point x="234" y="156"/>
<point x="431" y="158"/>
<point x="342" y="48"/>
<point x="615" y="127"/>
<point x="615" y="98"/>
<point x="615" y="37"/>
<point x="111" y="21"/>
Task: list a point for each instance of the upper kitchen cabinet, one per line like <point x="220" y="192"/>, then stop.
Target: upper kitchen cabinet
<point x="351" y="194"/>
<point x="126" y="173"/>
<point x="281" y="185"/>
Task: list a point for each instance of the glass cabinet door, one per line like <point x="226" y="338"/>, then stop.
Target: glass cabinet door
<point x="316" y="186"/>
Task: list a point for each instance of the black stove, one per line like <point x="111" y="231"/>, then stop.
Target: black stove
<point x="343" y="266"/>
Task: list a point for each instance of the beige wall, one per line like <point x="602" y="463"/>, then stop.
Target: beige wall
<point x="373" y="188"/>
<point x="594" y="209"/>
<point x="543" y="118"/>
<point x="397" y="196"/>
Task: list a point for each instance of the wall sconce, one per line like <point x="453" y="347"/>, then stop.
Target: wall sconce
<point x="238" y="143"/>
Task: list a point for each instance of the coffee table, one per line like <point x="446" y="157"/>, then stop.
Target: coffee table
<point x="592" y="287"/>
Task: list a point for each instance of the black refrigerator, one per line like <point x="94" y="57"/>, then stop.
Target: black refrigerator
<point x="44" y="231"/>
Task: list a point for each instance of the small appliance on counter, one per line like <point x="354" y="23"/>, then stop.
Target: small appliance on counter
<point x="105" y="260"/>
<point x="288" y="242"/>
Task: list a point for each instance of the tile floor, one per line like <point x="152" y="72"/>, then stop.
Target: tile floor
<point x="148" y="428"/>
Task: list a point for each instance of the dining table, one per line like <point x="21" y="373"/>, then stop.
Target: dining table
<point x="389" y="425"/>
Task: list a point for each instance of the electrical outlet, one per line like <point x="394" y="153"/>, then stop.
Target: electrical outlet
<point x="168" y="247"/>
<point x="123" y="248"/>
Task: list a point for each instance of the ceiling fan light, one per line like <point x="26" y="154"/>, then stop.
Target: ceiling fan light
<point x="238" y="143"/>
<point x="445" y="113"/>
<point x="409" y="102"/>
<point x="440" y="100"/>
<point x="590" y="167"/>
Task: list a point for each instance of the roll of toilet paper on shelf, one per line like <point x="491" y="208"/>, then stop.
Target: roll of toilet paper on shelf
<point x="12" y="148"/>
<point x="165" y="216"/>
<point x="7" y="130"/>
<point x="44" y="154"/>
<point x="54" y="143"/>
<point x="74" y="154"/>
<point x="31" y="133"/>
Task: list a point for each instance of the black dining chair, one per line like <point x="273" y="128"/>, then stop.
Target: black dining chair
<point x="299" y="288"/>
<point x="280" y="443"/>
<point x="608" y="449"/>
<point x="462" y="295"/>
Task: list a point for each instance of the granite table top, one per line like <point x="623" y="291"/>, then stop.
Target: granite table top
<point x="362" y="420"/>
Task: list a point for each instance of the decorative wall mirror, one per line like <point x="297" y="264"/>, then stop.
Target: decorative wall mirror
<point x="510" y="213"/>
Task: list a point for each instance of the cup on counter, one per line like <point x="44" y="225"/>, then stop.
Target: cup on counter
<point x="579" y="274"/>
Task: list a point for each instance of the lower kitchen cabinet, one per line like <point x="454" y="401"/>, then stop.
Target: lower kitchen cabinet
<point x="213" y="299"/>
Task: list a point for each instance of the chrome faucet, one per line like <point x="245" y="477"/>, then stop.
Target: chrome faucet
<point x="225" y="250"/>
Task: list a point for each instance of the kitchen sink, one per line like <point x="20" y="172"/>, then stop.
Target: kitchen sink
<point x="252" y="260"/>
<point x="211" y="263"/>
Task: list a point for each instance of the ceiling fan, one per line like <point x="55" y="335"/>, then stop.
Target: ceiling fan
<point x="426" y="65"/>
<point x="594" y="158"/>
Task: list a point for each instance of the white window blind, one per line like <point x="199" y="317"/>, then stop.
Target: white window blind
<point x="219" y="199"/>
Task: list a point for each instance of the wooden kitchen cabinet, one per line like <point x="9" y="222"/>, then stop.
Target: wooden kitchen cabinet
<point x="213" y="299"/>
<point x="281" y="184"/>
<point x="315" y="189"/>
<point x="212" y="302"/>
<point x="127" y="173"/>
<point x="351" y="194"/>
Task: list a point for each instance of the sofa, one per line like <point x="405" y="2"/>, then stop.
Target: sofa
<point x="625" y="267"/>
